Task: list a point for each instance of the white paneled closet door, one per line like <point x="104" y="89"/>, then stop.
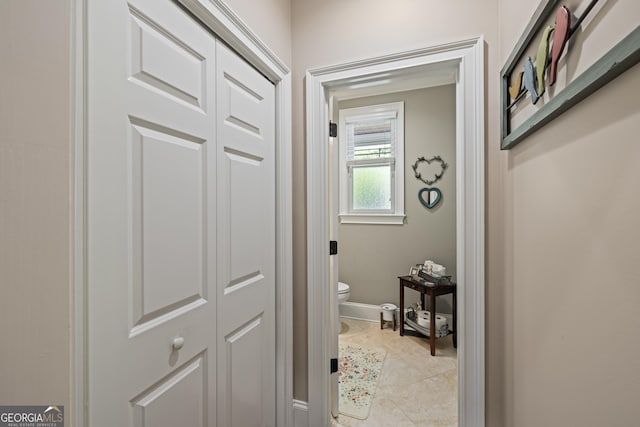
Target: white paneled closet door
<point x="246" y="243"/>
<point x="180" y="224"/>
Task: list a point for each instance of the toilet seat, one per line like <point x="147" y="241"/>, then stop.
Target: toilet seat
<point x="343" y="288"/>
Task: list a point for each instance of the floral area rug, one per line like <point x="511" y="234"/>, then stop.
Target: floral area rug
<point x="359" y="372"/>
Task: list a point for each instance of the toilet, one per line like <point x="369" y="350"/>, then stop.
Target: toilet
<point x="344" y="292"/>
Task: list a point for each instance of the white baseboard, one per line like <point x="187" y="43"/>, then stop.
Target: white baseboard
<point x="371" y="312"/>
<point x="300" y="413"/>
<point x="359" y="311"/>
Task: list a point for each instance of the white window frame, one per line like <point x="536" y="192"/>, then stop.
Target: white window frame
<point x="395" y="215"/>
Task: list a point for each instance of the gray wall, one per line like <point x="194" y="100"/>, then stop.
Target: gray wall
<point x="372" y="256"/>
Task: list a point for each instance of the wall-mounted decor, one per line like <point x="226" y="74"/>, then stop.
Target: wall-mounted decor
<point x="436" y="159"/>
<point x="433" y="196"/>
<point x="531" y="79"/>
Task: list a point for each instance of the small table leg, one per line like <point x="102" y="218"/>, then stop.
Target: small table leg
<point x="455" y="320"/>
<point x="394" y="321"/>
<point x="432" y="323"/>
<point x="401" y="321"/>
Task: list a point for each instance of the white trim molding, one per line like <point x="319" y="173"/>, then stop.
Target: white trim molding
<point x="395" y="215"/>
<point x="466" y="59"/>
<point x="300" y="414"/>
<point x="78" y="319"/>
<point x="221" y="20"/>
<point x="379" y="219"/>
<point x="360" y="311"/>
<point x="371" y="312"/>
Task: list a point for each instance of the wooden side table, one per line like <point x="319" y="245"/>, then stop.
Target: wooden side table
<point x="432" y="291"/>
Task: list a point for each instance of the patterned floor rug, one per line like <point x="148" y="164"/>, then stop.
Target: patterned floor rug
<point x="360" y="370"/>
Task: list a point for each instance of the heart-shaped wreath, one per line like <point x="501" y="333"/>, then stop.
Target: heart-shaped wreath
<point x="438" y="159"/>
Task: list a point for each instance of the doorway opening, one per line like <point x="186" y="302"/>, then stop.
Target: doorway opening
<point x="460" y="64"/>
<point x="384" y="230"/>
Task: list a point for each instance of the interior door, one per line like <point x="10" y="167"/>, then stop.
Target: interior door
<point x="175" y="241"/>
<point x="151" y="215"/>
<point x="246" y="243"/>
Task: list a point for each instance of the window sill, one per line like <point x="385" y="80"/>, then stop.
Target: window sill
<point x="380" y="219"/>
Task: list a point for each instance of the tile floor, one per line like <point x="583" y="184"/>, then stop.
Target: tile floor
<point x="415" y="389"/>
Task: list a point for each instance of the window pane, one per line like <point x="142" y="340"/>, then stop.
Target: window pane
<point x="371" y="139"/>
<point x="372" y="187"/>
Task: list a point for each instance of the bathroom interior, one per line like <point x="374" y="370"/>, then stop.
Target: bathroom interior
<point x="413" y="385"/>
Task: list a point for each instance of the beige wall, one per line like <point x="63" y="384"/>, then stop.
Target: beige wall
<point x="270" y="20"/>
<point x="565" y="283"/>
<point x="559" y="205"/>
<point x="373" y="256"/>
<point x="335" y="31"/>
<point x="34" y="202"/>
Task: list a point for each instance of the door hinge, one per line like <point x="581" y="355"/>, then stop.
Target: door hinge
<point x="333" y="129"/>
<point x="333" y="247"/>
<point x="334" y="365"/>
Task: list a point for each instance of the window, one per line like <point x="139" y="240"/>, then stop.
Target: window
<point x="372" y="164"/>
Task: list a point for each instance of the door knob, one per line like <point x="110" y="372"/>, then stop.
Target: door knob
<point x="178" y="343"/>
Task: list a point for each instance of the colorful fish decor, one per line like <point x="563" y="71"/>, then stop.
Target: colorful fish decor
<point x="516" y="87"/>
<point x="541" y="59"/>
<point x="533" y="76"/>
<point x="560" y="37"/>
<point x="530" y="80"/>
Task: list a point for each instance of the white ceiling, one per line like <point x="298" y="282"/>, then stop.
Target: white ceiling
<point x="396" y="81"/>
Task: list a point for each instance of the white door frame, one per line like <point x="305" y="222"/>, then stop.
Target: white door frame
<point x="468" y="57"/>
<point x="227" y="26"/>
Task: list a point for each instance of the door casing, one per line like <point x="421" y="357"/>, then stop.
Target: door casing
<point x="466" y="60"/>
<point x="227" y="26"/>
